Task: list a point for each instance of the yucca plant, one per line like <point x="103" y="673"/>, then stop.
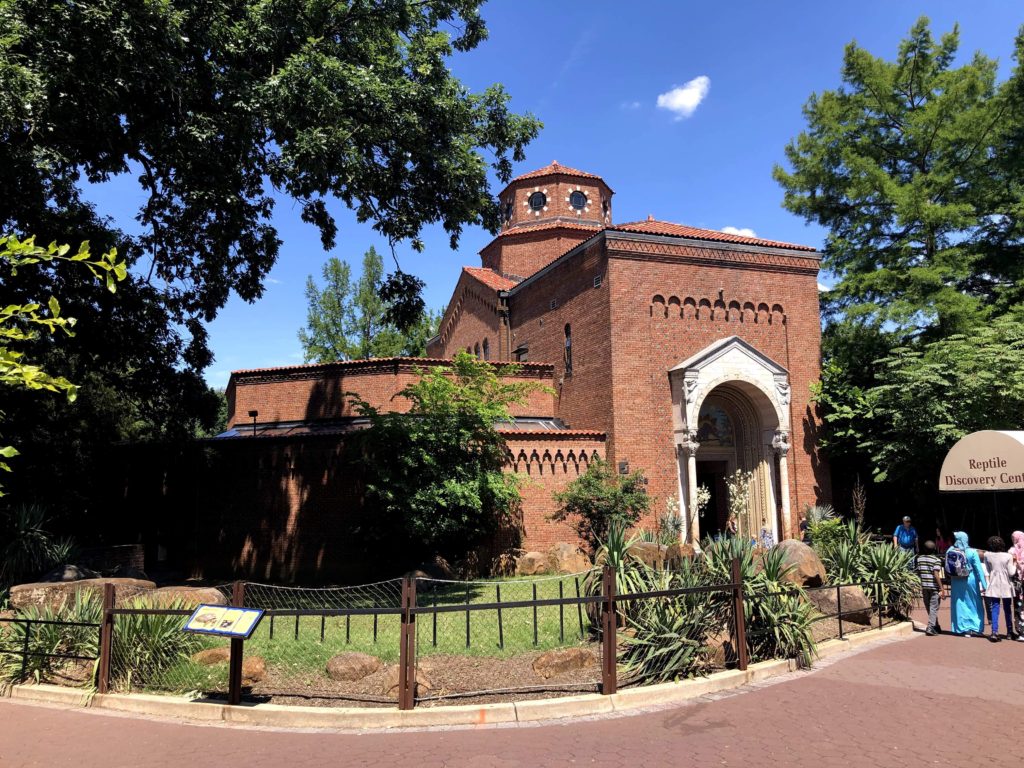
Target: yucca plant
<point x="779" y="625"/>
<point x="667" y="637"/>
<point x="891" y="567"/>
<point x="844" y="562"/>
<point x="147" y="645"/>
<point x="719" y="554"/>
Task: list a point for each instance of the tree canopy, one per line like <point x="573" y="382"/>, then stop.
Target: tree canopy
<point x="915" y="168"/>
<point x="434" y="476"/>
<point x="212" y="107"/>
<point x="910" y="166"/>
<point x="348" y="320"/>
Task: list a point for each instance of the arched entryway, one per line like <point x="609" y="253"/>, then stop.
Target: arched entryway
<point x="732" y="413"/>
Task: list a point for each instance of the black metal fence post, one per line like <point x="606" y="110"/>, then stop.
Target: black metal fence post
<point x="839" y="609"/>
<point x="609" y="624"/>
<point x="739" y="617"/>
<point x="237" y="650"/>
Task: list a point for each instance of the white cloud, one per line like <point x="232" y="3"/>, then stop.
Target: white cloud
<point x="273" y="281"/>
<point x="684" y="99"/>
<point x="741" y="231"/>
<point x="630" y="105"/>
<point x="822" y="288"/>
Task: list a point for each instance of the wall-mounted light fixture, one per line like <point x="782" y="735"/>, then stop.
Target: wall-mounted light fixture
<point x="252" y="415"/>
<point x="624" y="467"/>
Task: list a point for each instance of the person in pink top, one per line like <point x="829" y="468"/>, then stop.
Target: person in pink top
<point x="1017" y="551"/>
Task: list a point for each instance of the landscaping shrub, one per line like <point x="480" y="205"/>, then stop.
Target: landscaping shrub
<point x="599" y="499"/>
<point x="29" y="549"/>
<point x="147" y="647"/>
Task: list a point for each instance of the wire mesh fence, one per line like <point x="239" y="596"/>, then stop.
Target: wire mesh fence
<point x="478" y="639"/>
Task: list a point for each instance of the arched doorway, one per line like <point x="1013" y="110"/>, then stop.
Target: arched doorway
<point x="731" y="406"/>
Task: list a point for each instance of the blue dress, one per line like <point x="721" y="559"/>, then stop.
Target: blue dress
<point x="965" y="606"/>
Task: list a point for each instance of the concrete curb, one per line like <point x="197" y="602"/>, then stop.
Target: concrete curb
<point x="367" y="718"/>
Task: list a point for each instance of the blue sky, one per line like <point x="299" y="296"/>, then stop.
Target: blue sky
<point x="593" y="73"/>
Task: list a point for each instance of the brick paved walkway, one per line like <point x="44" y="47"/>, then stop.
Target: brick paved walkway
<point x="915" y="702"/>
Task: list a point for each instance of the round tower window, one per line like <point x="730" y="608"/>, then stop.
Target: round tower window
<point x="537" y="201"/>
<point x="578" y="200"/>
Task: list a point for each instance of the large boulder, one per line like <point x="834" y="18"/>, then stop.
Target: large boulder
<point x="210" y="656"/>
<point x="857" y="608"/>
<point x="69" y="573"/>
<point x="435" y="568"/>
<point x="563" y="660"/>
<point x="532" y="564"/>
<point x="57" y="594"/>
<point x="568" y="558"/>
<point x="424" y="685"/>
<point x="352" y="666"/>
<point x="807" y="569"/>
<point x="650" y="553"/>
<point x="184" y="597"/>
<point x="676" y="553"/>
<point x="254" y="669"/>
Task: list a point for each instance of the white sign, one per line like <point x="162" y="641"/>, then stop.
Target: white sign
<point x="985" y="461"/>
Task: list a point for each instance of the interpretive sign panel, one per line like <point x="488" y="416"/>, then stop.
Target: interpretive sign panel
<point x="985" y="461"/>
<point x="224" y="620"/>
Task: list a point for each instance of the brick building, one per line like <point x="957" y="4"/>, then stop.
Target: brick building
<point x="686" y="353"/>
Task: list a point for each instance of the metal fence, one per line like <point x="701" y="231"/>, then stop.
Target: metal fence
<point x="424" y="641"/>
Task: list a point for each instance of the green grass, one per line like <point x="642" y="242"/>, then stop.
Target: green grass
<point x="301" y="659"/>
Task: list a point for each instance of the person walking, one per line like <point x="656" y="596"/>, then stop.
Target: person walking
<point x="941" y="542"/>
<point x="1017" y="552"/>
<point x="905" y="538"/>
<point x="929" y="570"/>
<point x="1001" y="570"/>
<point x="967" y="582"/>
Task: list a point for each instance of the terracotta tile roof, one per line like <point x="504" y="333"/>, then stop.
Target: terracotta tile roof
<point x="542" y="225"/>
<point x="655" y="227"/>
<point x="558" y="434"/>
<point x="490" y="278"/>
<point x="554" y="168"/>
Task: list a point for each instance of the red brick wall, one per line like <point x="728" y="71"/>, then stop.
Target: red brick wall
<point x="653" y="303"/>
<point x="471" y="316"/>
<point x="584" y="399"/>
<point x="307" y="393"/>
<point x="523" y="253"/>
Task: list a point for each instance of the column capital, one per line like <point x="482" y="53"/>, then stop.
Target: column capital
<point x="781" y="442"/>
<point x="689" y="445"/>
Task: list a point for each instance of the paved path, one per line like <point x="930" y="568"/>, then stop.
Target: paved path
<point x="913" y="702"/>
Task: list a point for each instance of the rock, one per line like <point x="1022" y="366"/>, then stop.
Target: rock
<point x="807" y="570"/>
<point x="210" y="656"/>
<point x="435" y="568"/>
<point x="568" y="558"/>
<point x="69" y="573"/>
<point x="424" y="685"/>
<point x="563" y="660"/>
<point x="254" y="669"/>
<point x="676" y="553"/>
<point x="650" y="553"/>
<point x="532" y="564"/>
<point x="59" y="593"/>
<point x="185" y="597"/>
<point x="720" y="649"/>
<point x="352" y="666"/>
<point x="857" y="607"/>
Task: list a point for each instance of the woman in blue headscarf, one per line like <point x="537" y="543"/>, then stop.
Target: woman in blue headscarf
<point x="965" y="606"/>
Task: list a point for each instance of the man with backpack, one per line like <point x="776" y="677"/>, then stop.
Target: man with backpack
<point x="929" y="570"/>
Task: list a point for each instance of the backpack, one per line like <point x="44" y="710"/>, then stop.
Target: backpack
<point x="956" y="563"/>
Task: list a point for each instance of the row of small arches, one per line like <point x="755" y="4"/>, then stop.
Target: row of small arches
<point x="538" y="462"/>
<point x="705" y="309"/>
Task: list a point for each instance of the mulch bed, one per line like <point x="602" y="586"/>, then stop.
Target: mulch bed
<point x="458" y="679"/>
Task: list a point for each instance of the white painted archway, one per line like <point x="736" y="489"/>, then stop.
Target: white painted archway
<point x="734" y="369"/>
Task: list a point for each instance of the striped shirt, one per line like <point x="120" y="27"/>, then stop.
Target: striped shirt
<point x="926" y="567"/>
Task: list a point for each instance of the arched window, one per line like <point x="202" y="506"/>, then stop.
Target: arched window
<point x="487" y="350"/>
<point x="568" y="350"/>
<point x="476" y="350"/>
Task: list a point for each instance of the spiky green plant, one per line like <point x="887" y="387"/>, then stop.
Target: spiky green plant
<point x="146" y="647"/>
<point x="898" y="584"/>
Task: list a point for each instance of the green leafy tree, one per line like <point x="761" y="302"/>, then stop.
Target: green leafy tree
<point x="214" y="107"/>
<point x="350" y="321"/>
<point x="898" y="165"/>
<point x="599" y="499"/>
<point x="20" y="323"/>
<point x="434" y="477"/>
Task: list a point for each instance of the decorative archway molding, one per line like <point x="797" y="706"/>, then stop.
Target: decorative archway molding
<point x="735" y="368"/>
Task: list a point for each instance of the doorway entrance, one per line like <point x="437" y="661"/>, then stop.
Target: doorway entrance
<point x="711" y="475"/>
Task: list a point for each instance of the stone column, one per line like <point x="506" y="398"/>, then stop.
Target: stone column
<point x="688" y="449"/>
<point x="781" y="445"/>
